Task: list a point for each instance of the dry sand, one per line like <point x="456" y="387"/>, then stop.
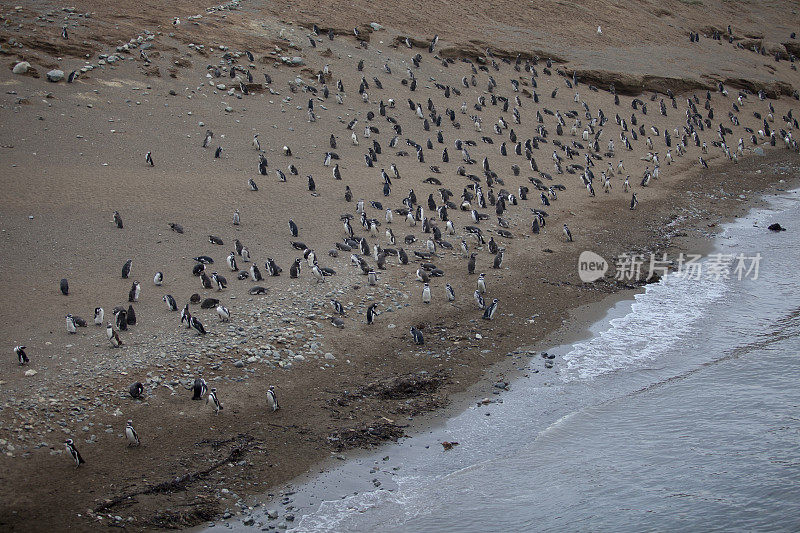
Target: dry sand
<point x="72" y="154"/>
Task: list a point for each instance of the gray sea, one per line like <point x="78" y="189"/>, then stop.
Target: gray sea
<point x="680" y="412"/>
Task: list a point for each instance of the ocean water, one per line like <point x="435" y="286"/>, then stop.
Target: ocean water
<point x="681" y="412"/>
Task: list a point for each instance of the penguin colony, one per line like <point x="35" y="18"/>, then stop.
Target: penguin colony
<point x="437" y="211"/>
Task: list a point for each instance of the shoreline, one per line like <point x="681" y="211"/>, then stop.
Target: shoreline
<point x="511" y="370"/>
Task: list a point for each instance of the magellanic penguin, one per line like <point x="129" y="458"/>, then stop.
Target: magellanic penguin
<point x="158" y="279"/>
<point x="479" y="299"/>
<point x="113" y="336"/>
<point x="231" y="260"/>
<point x="488" y="313"/>
<point x="337" y="306"/>
<point x="426" y="294"/>
<point x="196" y="324"/>
<point x="186" y="316"/>
<point x="371" y="312"/>
<point x="117" y="219"/>
<point x="99" y="313"/>
<point x="482" y="283"/>
<point x="272" y="399"/>
<point x="133" y="294"/>
<point x="130" y="433"/>
<point x="451" y="295"/>
<point x="199" y="389"/>
<point x="64" y="287"/>
<point x="149" y="159"/>
<point x="567" y="233"/>
<point x="74" y="453"/>
<point x="21" y="355"/>
<point x="136" y="390"/>
<point x="70" y="324"/>
<point x="417" y="336"/>
<point x="224" y="314"/>
<point x="212" y="397"/>
<point x="126" y="268"/>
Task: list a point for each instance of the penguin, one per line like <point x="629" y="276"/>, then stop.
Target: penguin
<point x="371" y="312"/>
<point x="256" y="142"/>
<point x="320" y="277"/>
<point x="402" y="256"/>
<point x="255" y="273"/>
<point x="224" y="314"/>
<point x="567" y="233"/>
<point x="70" y="324"/>
<point x="117" y="219"/>
<point x="488" y="313"/>
<point x="293" y="228"/>
<point x="498" y="259"/>
<point x="479" y="299"/>
<point x="231" y="260"/>
<point x="158" y="279"/>
<point x="199" y="389"/>
<point x="252" y="184"/>
<point x="294" y="270"/>
<point x="337" y="322"/>
<point x="130" y="433"/>
<point x="113" y="336"/>
<point x="186" y="316"/>
<point x="130" y="316"/>
<point x="21" y="355"/>
<point x="426" y="294"/>
<point x="634" y="202"/>
<point x="245" y="254"/>
<point x="196" y="324"/>
<point x="471" y="263"/>
<point x="451" y="295"/>
<point x="272" y="399"/>
<point x="126" y="268"/>
<point x="149" y="159"/>
<point x="170" y="301"/>
<point x="212" y="397"/>
<point x="64" y="287"/>
<point x="74" y="453"/>
<point x="492" y="246"/>
<point x="337" y="306"/>
<point x="136" y="390"/>
<point x="205" y="280"/>
<point x="133" y="294"/>
<point x="236" y="218"/>
<point x="482" y="283"/>
<point x="417" y="336"/>
<point x="311" y="185"/>
<point x="221" y="282"/>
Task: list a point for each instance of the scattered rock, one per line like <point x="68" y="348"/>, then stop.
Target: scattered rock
<point x="776" y="227"/>
<point x="55" y="75"/>
<point x="21" y="67"/>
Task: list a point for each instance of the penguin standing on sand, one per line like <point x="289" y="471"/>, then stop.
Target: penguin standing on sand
<point x="113" y="336"/>
<point x="70" y="324"/>
<point x="417" y="336"/>
<point x="74" y="453"/>
<point x="294" y="270"/>
<point x="117" y="219"/>
<point x="426" y="294"/>
<point x="133" y="294"/>
<point x="199" y="389"/>
<point x="158" y="279"/>
<point x="21" y="355"/>
<point x="232" y="262"/>
<point x="223" y="313"/>
<point x="371" y="312"/>
<point x="337" y="306"/>
<point x="64" y="287"/>
<point x="196" y="324"/>
<point x="567" y="233"/>
<point x="479" y="299"/>
<point x="99" y="313"/>
<point x="170" y="301"/>
<point x="130" y="433"/>
<point x="212" y="397"/>
<point x="186" y="316"/>
<point x="488" y="313"/>
<point x="471" y="263"/>
<point x="482" y="283"/>
<point x="126" y="268"/>
<point x="272" y="399"/>
<point x="149" y="159"/>
<point x="451" y="295"/>
<point x="634" y="202"/>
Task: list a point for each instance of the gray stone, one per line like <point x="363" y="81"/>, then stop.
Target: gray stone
<point x="21" y="67"/>
<point x="55" y="75"/>
<point x="758" y="151"/>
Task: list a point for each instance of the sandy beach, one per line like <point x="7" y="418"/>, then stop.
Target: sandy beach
<point x="74" y="153"/>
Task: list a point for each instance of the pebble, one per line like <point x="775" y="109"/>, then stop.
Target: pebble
<point x="55" y="75"/>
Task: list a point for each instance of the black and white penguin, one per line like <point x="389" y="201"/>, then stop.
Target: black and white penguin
<point x="426" y="294"/>
<point x="252" y="184"/>
<point x="158" y="279"/>
<point x="149" y="158"/>
<point x="236" y="218"/>
<point x="196" y="324"/>
<point x="471" y="263"/>
<point x="74" y="453"/>
<point x="212" y="397"/>
<point x="337" y="306"/>
<point x="199" y="389"/>
<point x="126" y="268"/>
<point x="231" y="260"/>
<point x="64" y="287"/>
<point x="113" y="336"/>
<point x="317" y="272"/>
<point x="451" y="294"/>
<point x="498" y="259"/>
<point x="479" y="299"/>
<point x="255" y="273"/>
<point x="634" y="202"/>
<point x="130" y="316"/>
<point x="293" y="228"/>
<point x="170" y="301"/>
<point x="186" y="316"/>
<point x="371" y="312"/>
<point x="567" y="233"/>
<point x="133" y="294"/>
<point x="417" y="336"/>
<point x="272" y="398"/>
<point x="130" y="433"/>
<point x="224" y="314"/>
<point x="117" y="219"/>
<point x="294" y="270"/>
<point x="99" y="313"/>
<point x="482" y="283"/>
<point x="219" y="280"/>
<point x="70" y="324"/>
<point x="21" y="355"/>
<point x="488" y="313"/>
<point x="136" y="390"/>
